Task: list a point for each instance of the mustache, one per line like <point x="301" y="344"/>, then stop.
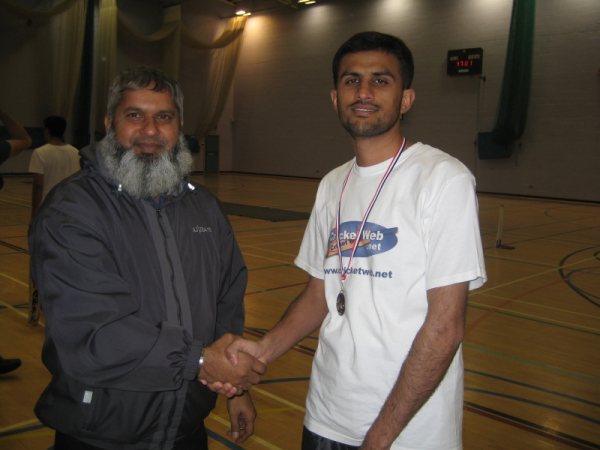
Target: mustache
<point x="150" y="141"/>
<point x="364" y="103"/>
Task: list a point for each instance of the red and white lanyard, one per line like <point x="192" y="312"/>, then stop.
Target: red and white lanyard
<point x="345" y="271"/>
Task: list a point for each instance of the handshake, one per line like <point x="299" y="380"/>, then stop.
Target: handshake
<point x="232" y="365"/>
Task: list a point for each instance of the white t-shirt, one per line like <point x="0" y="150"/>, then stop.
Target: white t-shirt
<point x="422" y="233"/>
<point x="55" y="162"/>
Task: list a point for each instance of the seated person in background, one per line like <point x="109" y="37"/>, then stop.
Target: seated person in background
<point x="19" y="140"/>
<point x="52" y="162"/>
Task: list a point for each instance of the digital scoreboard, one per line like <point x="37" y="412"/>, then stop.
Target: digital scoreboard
<point x="465" y="61"/>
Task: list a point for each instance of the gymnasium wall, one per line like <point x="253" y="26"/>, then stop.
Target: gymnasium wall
<point x="279" y="118"/>
<point x="284" y="124"/>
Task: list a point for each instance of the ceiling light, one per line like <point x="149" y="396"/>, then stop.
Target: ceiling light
<point x="242" y="12"/>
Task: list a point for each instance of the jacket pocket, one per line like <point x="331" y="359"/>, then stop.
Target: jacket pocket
<point x="120" y="416"/>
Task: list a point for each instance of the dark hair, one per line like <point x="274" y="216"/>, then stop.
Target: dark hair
<point x="140" y="78"/>
<point x="372" y="40"/>
<point x="56" y="126"/>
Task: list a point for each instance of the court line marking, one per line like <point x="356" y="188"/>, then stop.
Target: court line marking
<point x="541" y="306"/>
<point x="254" y="438"/>
<point x="530" y="362"/>
<point x="528" y="277"/>
<point x="531" y="317"/>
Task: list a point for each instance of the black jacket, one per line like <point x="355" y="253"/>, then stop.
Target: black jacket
<point x="130" y="293"/>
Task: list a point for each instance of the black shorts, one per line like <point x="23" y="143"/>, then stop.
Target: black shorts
<point x="312" y="441"/>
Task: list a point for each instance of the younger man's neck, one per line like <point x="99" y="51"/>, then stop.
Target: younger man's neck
<point x="374" y="150"/>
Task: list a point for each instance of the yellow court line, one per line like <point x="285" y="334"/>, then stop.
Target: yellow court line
<point x="278" y="398"/>
<point x="529" y="277"/>
<point x="20" y="424"/>
<point x="265" y="257"/>
<point x="262" y="247"/>
<point x="537" y="305"/>
<point x="538" y="318"/>
<point x="30" y="435"/>
<point x="2" y="274"/>
<point x="252" y="438"/>
<point x="13" y="309"/>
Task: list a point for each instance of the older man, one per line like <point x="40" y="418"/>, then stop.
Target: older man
<point x="141" y="282"/>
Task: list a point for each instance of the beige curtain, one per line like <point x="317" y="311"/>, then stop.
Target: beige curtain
<point x="220" y="78"/>
<point x="105" y="62"/>
<point x="68" y="32"/>
<point x="67" y="25"/>
<point x="16" y="7"/>
<point x="233" y="31"/>
<point x="224" y="50"/>
<point x="170" y="32"/>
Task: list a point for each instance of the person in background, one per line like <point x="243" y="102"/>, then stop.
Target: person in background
<point x="17" y="141"/>
<point x="141" y="282"/>
<point x="52" y="162"/>
<point x="392" y="248"/>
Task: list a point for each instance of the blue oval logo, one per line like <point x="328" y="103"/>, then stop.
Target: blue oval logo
<point x="373" y="239"/>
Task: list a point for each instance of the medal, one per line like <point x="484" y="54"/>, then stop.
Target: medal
<point x="340" y="302"/>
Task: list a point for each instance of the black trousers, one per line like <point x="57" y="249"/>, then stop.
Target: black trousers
<point x="198" y="441"/>
<point x="312" y="441"/>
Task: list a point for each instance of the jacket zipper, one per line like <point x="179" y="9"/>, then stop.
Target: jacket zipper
<point x="172" y="274"/>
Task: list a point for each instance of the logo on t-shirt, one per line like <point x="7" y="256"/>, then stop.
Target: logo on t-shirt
<point x="374" y="239"/>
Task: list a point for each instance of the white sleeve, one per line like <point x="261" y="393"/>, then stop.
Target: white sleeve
<point x="35" y="163"/>
<point x="313" y="250"/>
<point x="452" y="235"/>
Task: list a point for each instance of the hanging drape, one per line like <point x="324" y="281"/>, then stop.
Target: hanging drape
<point x="105" y="62"/>
<point x="17" y="8"/>
<point x="67" y="29"/>
<point x="514" y="100"/>
<point x="68" y="32"/>
<point x="170" y="32"/>
<point x="224" y="54"/>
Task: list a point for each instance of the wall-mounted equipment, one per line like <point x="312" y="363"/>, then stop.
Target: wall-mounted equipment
<point x="465" y="61"/>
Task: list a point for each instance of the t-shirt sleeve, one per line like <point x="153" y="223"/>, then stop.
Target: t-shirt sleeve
<point x="35" y="163"/>
<point x="313" y="249"/>
<point x="452" y="236"/>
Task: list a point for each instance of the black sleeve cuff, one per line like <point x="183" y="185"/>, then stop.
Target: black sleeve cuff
<point x="190" y="371"/>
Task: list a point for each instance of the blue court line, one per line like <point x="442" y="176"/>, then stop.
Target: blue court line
<point x="223" y="441"/>
<point x="536" y="403"/>
<point x="21" y="430"/>
<point x="568" y="373"/>
<point x="571" y="441"/>
<point x="535" y="388"/>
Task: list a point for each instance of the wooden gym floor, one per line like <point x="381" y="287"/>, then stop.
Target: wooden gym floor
<point x="532" y="353"/>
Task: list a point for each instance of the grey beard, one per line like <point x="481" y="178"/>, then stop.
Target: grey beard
<point x="142" y="176"/>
